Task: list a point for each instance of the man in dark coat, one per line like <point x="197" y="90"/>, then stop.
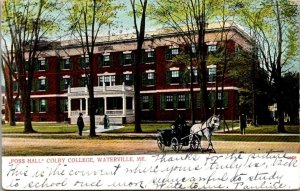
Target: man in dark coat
<point x="243" y="123"/>
<point x="80" y="124"/>
<point x="106" y="122"/>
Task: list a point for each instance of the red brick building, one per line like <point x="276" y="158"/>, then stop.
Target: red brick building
<point x="59" y="92"/>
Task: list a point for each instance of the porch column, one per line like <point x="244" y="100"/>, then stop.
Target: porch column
<point x="124" y="104"/>
<point x="69" y="107"/>
<point x="105" y="104"/>
<point x="80" y="105"/>
<point x="86" y="106"/>
<point x="133" y="106"/>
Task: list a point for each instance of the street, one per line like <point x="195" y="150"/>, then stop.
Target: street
<point x="40" y="146"/>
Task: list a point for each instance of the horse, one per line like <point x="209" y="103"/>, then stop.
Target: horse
<point x="204" y="129"/>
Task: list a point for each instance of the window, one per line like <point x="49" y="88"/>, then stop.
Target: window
<point x="105" y="60"/>
<point x="65" y="64"/>
<point x="149" y="57"/>
<point x="65" y="83"/>
<point x="212" y="74"/>
<point x="15" y="86"/>
<point x="107" y="80"/>
<point x="43" y="105"/>
<point x="18" y="106"/>
<point x="173" y="77"/>
<point x="84" y="62"/>
<point x="42" y="84"/>
<point x="82" y="81"/>
<point x="145" y="102"/>
<point x="195" y="76"/>
<point x="42" y="65"/>
<point x="172" y="53"/>
<point x="212" y="48"/>
<point x="127" y="79"/>
<point x="128" y="59"/>
<point x="149" y="78"/>
<point x="181" y="102"/>
<point x="169" y="102"/>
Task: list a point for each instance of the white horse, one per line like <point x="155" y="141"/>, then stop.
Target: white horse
<point x="204" y="129"/>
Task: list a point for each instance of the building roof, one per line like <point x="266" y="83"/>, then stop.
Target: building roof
<point x="211" y="27"/>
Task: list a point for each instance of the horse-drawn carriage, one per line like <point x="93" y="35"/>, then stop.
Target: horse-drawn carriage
<point x="178" y="136"/>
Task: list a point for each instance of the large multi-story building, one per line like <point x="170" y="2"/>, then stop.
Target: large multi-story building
<point x="59" y="87"/>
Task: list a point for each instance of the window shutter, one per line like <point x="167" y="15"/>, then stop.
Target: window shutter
<point x="35" y="84"/>
<point x="175" y="101"/>
<point x="101" y="60"/>
<point x="80" y="62"/>
<point x="181" y="77"/>
<point x="61" y="64"/>
<point x="122" y="78"/>
<point x="168" y="54"/>
<point x="31" y="106"/>
<point x="61" y="84"/>
<point x="36" y="105"/>
<point x="46" y="65"/>
<point x="46" y="106"/>
<point x="144" y="79"/>
<point x="168" y="77"/>
<point x="110" y="60"/>
<point x="198" y="100"/>
<point x="122" y="59"/>
<point x="61" y="105"/>
<point x="225" y="99"/>
<point x="151" y="103"/>
<point x="154" y="79"/>
<point x="162" y="102"/>
<point x="15" y="86"/>
<point x="144" y="60"/>
<point x="46" y="84"/>
<point x="212" y="99"/>
<point x="187" y="101"/>
<point x="133" y="59"/>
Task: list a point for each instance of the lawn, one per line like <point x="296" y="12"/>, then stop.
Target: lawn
<point x="269" y="129"/>
<point x="61" y="128"/>
<point x="42" y="128"/>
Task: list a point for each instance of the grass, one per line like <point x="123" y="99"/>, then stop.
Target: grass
<point x="269" y="129"/>
<point x="42" y="128"/>
<point x="62" y="128"/>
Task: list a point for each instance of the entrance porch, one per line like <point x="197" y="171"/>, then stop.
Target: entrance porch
<point x="117" y="102"/>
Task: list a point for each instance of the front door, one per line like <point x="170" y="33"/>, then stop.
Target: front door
<point x="99" y="106"/>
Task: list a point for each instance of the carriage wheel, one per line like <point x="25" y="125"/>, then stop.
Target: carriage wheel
<point x="175" y="144"/>
<point x="195" y="142"/>
<point x="160" y="143"/>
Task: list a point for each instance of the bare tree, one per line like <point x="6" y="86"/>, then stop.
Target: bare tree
<point x="86" y="19"/>
<point x="26" y="23"/>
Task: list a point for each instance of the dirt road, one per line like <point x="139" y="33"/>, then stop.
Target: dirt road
<point x="35" y="146"/>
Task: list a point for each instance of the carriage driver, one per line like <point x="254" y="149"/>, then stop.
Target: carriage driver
<point x="179" y="123"/>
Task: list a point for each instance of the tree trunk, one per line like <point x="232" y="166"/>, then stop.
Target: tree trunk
<point x="91" y="96"/>
<point x="192" y="89"/>
<point x="137" y="85"/>
<point x="27" y="113"/>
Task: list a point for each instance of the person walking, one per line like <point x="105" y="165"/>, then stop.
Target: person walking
<point x="106" y="122"/>
<point x="243" y="123"/>
<point x="80" y="124"/>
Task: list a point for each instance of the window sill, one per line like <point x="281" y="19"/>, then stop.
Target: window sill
<point x="174" y="84"/>
<point x="149" y="62"/>
<point x="65" y="69"/>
